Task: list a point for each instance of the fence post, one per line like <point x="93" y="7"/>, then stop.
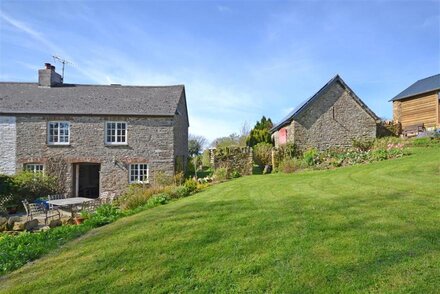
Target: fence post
<point x="273" y="158"/>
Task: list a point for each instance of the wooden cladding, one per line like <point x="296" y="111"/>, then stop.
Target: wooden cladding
<point x="418" y="109"/>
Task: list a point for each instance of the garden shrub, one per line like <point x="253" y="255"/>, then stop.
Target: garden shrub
<point x="30" y="186"/>
<point x="159" y="199"/>
<point x="179" y="178"/>
<point x="285" y="151"/>
<point x="191" y="185"/>
<point x="235" y="174"/>
<point x="220" y="174"/>
<point x="180" y="192"/>
<point x="263" y="154"/>
<point x="202" y="185"/>
<point x="311" y="156"/>
<point x="104" y="214"/>
<point x="382" y="143"/>
<point x="362" y="145"/>
<point x="289" y="150"/>
<point x="290" y="165"/>
<point x="7" y="186"/>
<point x="138" y="195"/>
<point x="161" y="179"/>
<point x="287" y="166"/>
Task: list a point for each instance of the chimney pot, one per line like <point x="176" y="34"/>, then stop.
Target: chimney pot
<point x="48" y="77"/>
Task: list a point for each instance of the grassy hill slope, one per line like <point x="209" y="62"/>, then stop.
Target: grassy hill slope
<point x="372" y="228"/>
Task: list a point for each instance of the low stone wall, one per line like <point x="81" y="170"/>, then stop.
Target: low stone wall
<point x="238" y="159"/>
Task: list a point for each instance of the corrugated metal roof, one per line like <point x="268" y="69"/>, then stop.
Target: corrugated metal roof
<point x="89" y="99"/>
<point x="421" y="86"/>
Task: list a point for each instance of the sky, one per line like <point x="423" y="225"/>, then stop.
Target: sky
<point x="238" y="60"/>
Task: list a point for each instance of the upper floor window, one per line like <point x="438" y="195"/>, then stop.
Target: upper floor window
<point x="115" y="132"/>
<point x="139" y="173"/>
<point x="58" y="133"/>
<point x="34" y="167"/>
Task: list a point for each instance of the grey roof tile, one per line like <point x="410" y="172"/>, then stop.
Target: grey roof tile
<point x="89" y="99"/>
<point x="286" y="120"/>
<point x="425" y="85"/>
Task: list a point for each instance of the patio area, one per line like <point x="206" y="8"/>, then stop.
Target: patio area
<point x="54" y="211"/>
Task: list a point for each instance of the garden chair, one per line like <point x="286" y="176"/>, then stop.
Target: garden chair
<point x="34" y="210"/>
<point x="91" y="206"/>
<point x="55" y="197"/>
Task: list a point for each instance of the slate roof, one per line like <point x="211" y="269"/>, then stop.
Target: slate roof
<point x="421" y="86"/>
<point x="294" y="113"/>
<point x="29" y="98"/>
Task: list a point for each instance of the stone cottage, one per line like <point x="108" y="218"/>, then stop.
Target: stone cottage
<point x="105" y="136"/>
<point x="333" y="117"/>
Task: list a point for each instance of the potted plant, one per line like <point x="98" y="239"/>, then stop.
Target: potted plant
<point x="79" y="218"/>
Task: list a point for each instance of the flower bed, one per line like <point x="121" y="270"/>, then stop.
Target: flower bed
<point x="361" y="152"/>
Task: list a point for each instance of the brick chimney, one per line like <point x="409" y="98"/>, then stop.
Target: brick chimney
<point x="47" y="77"/>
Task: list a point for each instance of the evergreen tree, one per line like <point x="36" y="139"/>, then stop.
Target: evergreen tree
<point x="260" y="133"/>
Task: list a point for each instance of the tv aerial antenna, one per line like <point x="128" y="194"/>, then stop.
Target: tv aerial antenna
<point x="63" y="62"/>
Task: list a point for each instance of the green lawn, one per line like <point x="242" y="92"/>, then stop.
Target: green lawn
<point x="367" y="228"/>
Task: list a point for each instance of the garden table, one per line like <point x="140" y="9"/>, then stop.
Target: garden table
<point x="69" y="202"/>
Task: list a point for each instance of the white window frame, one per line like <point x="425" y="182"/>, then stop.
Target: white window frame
<point x="58" y="135"/>
<point x="32" y="167"/>
<point x="137" y="181"/>
<point x="116" y="129"/>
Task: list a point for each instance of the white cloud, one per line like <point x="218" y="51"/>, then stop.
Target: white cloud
<point x="215" y="109"/>
<point x="21" y="26"/>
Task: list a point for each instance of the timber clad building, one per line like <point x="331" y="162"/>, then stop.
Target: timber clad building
<point x="107" y="136"/>
<point x="419" y="104"/>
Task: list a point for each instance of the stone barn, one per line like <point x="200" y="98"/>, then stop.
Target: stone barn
<point x="333" y="117"/>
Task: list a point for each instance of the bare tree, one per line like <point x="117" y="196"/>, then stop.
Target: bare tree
<point x="196" y="144"/>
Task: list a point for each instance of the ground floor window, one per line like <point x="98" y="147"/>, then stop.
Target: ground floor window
<point x="139" y="173"/>
<point x="34" y="167"/>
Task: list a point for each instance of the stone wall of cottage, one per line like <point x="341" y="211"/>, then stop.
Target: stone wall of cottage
<point x="7" y="146"/>
<point x="150" y="140"/>
<point x="333" y="120"/>
<point x="181" y="136"/>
